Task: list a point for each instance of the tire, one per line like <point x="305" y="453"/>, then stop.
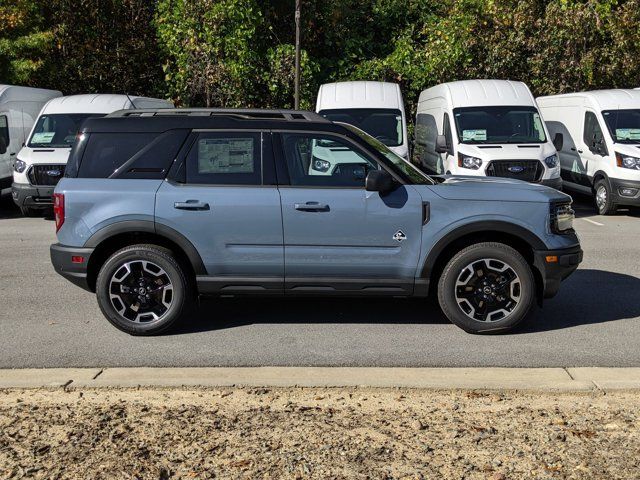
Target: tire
<point x="504" y="308"/>
<point x="161" y="279"/>
<point x="29" y="212"/>
<point x="603" y="198"/>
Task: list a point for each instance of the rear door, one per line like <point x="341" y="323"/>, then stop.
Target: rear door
<point x="224" y="200"/>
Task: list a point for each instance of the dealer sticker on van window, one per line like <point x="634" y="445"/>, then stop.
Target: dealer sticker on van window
<point x="469" y="135"/>
<point x="44" y="137"/>
<point x="628" y="133"/>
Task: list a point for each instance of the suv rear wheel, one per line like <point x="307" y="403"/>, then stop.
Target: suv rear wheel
<point x="142" y="289"/>
<point x="486" y="287"/>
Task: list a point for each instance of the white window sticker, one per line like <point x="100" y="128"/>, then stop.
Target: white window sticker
<point x="628" y="133"/>
<point x="470" y="135"/>
<point x="225" y="155"/>
<point x="44" y="137"/>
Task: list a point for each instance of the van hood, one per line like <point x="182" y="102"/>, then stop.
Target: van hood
<point x="454" y="187"/>
<point x="39" y="156"/>
<point x="632" y="150"/>
<point x="508" y="151"/>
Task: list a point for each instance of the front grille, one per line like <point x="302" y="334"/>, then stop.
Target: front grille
<point x="46" y="175"/>
<point x="527" y="170"/>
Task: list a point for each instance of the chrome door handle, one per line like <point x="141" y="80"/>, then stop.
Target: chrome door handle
<point x="312" y="207"/>
<point x="191" y="205"/>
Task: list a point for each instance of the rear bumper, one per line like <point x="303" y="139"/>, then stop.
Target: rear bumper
<point x="554" y="272"/>
<point x="625" y="192"/>
<point x="553" y="183"/>
<point x="75" y="272"/>
<point x="25" y="195"/>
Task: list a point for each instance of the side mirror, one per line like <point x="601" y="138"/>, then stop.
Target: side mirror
<point x="3" y="146"/>
<point x="558" y="141"/>
<point x="379" y="181"/>
<point x="441" y="144"/>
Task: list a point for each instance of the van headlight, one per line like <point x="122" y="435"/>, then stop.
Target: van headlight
<point x="467" y="161"/>
<point x="551" y="161"/>
<point x="19" y="166"/>
<point x="320" y="165"/>
<point x="562" y="216"/>
<point x="627" y="161"/>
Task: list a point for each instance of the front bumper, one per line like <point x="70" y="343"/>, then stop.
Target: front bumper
<point x="554" y="272"/>
<point x="617" y="187"/>
<point x="75" y="272"/>
<point x="25" y="195"/>
<point x="553" y="183"/>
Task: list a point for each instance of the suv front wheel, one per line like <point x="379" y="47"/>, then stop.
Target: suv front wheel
<point x="486" y="287"/>
<point x="142" y="289"/>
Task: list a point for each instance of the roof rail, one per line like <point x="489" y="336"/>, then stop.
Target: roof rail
<point x="244" y="113"/>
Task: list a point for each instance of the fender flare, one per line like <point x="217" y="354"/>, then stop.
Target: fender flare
<point x="146" y="226"/>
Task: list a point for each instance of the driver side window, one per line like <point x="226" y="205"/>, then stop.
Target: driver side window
<point x="325" y="161"/>
<point x="593" y="136"/>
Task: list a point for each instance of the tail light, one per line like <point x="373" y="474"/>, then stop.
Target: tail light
<point x="58" y="209"/>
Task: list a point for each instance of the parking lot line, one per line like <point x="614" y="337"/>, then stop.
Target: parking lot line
<point x="593" y="221"/>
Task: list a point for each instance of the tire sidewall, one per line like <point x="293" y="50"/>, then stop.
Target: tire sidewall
<point x="504" y="253"/>
<point x="609" y="207"/>
<point x="163" y="259"/>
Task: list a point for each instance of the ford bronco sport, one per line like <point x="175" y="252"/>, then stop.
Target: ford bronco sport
<point x="159" y="206"/>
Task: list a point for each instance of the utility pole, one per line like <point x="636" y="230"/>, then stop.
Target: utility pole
<point x="296" y="94"/>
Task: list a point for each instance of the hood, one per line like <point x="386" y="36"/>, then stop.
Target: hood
<point x="494" y="189"/>
<point x="627" y="149"/>
<point x="508" y="151"/>
<point x="44" y="155"/>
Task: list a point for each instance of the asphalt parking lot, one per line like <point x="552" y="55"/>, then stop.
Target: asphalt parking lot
<point x="47" y="322"/>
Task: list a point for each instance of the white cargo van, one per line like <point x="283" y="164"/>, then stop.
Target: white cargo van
<point x="41" y="163"/>
<point x="484" y="127"/>
<point x="374" y="107"/>
<point x="19" y="107"/>
<point x="601" y="151"/>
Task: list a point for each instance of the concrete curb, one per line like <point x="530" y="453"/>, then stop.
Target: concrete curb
<point x="544" y="379"/>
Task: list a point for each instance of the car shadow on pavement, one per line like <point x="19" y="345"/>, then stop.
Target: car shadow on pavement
<point x="8" y="209"/>
<point x="587" y="297"/>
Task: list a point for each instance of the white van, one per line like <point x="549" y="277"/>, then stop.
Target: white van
<point x="601" y="151"/>
<point x="374" y="107"/>
<point x="484" y="127"/>
<point x="19" y="107"/>
<point x="41" y="163"/>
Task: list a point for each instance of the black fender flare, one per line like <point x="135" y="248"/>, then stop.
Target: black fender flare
<point x="148" y="226"/>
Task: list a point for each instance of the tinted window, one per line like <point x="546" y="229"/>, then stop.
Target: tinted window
<point x="58" y="130"/>
<point x="4" y="129"/>
<point x="105" y="152"/>
<point x="624" y="125"/>
<point x="593" y="134"/>
<point x="447" y="133"/>
<point x="324" y="161"/>
<point x="225" y="159"/>
<point x="499" y="125"/>
<point x="384" y="124"/>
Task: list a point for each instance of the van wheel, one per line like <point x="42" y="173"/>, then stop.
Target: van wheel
<point x="29" y="212"/>
<point x="603" y="198"/>
<point x="487" y="287"/>
<point x="142" y="290"/>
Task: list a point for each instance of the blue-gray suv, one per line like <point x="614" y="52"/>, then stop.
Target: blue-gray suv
<point x="160" y="206"/>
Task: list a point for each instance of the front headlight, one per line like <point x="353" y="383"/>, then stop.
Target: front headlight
<point x="466" y="161"/>
<point x="19" y="166"/>
<point x="551" y="161"/>
<point x="627" y="161"/>
<point x="562" y="216"/>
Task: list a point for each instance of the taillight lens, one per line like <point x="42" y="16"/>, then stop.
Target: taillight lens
<point x="58" y="209"/>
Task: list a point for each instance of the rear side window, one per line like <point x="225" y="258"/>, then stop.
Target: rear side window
<point x="4" y="129"/>
<point x="106" y="152"/>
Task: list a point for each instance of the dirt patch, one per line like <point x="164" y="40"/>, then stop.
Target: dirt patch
<point x="317" y="433"/>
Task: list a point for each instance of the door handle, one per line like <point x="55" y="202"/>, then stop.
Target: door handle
<point x="312" y="207"/>
<point x="191" y="205"/>
<point x="573" y="149"/>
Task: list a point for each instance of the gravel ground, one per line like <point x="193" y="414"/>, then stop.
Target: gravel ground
<point x="317" y="433"/>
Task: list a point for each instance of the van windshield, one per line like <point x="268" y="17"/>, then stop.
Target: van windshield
<point x="504" y="124"/>
<point x="384" y="124"/>
<point x="624" y="125"/>
<point x="58" y="130"/>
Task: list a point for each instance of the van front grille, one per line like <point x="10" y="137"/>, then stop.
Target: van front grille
<point x="527" y="170"/>
<point x="46" y="175"/>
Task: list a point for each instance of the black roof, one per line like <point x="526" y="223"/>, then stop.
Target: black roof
<point x="159" y="120"/>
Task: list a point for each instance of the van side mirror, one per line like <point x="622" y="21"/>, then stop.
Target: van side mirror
<point x="379" y="181"/>
<point x="3" y="146"/>
<point x="441" y="144"/>
<point x="558" y="141"/>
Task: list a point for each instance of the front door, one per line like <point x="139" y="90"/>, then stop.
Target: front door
<point x="594" y="149"/>
<point x="340" y="238"/>
<point x="221" y="204"/>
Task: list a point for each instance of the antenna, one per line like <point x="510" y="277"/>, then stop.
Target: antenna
<point x="133" y="106"/>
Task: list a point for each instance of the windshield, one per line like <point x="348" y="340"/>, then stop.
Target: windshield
<point x="400" y="164"/>
<point x="505" y="124"/>
<point x="384" y="124"/>
<point x="624" y="125"/>
<point x="58" y="130"/>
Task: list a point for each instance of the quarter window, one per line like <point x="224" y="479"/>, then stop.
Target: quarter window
<point x="447" y="133"/>
<point x="4" y="129"/>
<point x="107" y="152"/>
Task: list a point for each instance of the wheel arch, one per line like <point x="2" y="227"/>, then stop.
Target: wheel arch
<point x="112" y="238"/>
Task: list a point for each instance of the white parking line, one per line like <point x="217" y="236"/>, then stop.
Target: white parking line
<point x="593" y="221"/>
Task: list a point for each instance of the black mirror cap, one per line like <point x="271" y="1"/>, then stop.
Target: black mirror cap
<point x="558" y="141"/>
<point x="441" y="144"/>
<point x="379" y="181"/>
<point x="3" y="146"/>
